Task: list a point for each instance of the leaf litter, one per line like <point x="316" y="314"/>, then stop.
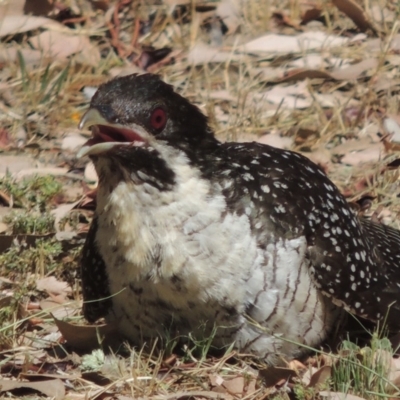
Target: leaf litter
<point x="318" y="78"/>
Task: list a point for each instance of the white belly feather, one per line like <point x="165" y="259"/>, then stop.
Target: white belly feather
<point x="180" y="256"/>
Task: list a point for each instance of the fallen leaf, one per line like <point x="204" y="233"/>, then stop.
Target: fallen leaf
<point x="289" y="97"/>
<point x="276" y="140"/>
<point x="53" y="388"/>
<point x="6" y="301"/>
<point x="38" y="7"/>
<point x="62" y="211"/>
<point x="356" y="14"/>
<point x="52" y="285"/>
<point x="355" y="71"/>
<point x="240" y="386"/>
<point x="16" y="7"/>
<point x="317" y="62"/>
<point x="86" y="337"/>
<point x="320" y="376"/>
<point x="59" y="45"/>
<point x="312" y="14"/>
<point x="202" y="53"/>
<point x="13" y="24"/>
<point x="282" y="44"/>
<point x="4" y="138"/>
<point x="300" y="74"/>
<point x="30" y="56"/>
<point x="370" y="155"/>
<point x="274" y="375"/>
<point x="339" y="396"/>
<point x="351" y="145"/>
<point x="59" y="311"/>
<point x="97" y="378"/>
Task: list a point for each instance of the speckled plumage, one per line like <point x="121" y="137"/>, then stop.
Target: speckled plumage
<point x="191" y="234"/>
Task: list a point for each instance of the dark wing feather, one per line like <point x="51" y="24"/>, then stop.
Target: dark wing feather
<point x="354" y="262"/>
<point x="96" y="295"/>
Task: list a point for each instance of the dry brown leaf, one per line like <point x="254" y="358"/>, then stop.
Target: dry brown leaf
<point x="317" y="62"/>
<point x="268" y="74"/>
<point x="311" y="14"/>
<point x="203" y="53"/>
<point x="124" y="70"/>
<point x="370" y="155"/>
<point x="352" y="145"/>
<point x="100" y="4"/>
<point x="320" y="376"/>
<point x="13" y="24"/>
<point x="87" y="337"/>
<point x="274" y="375"/>
<point x="351" y="72"/>
<point x="222" y="95"/>
<point x="5" y="139"/>
<point x="296" y="96"/>
<point x="38" y="7"/>
<point x="53" y="388"/>
<point x="278" y="44"/>
<point x="59" y="45"/>
<point x="6" y="301"/>
<point x="355" y="13"/>
<point x="238" y="386"/>
<point x="355" y="71"/>
<point x="300" y="74"/>
<point x="15" y="7"/>
<point x="58" y="310"/>
<point x="51" y="284"/>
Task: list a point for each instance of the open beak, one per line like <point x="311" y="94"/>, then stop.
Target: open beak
<point x="105" y="135"/>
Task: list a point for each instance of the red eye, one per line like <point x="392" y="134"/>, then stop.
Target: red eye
<point x="158" y="119"/>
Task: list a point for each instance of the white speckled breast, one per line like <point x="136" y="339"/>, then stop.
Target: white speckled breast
<point x="179" y="262"/>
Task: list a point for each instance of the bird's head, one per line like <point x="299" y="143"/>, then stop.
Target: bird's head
<point x="138" y="111"/>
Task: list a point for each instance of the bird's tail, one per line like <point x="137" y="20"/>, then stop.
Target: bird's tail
<point x="385" y="241"/>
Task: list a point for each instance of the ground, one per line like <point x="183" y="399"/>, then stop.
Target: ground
<point x="316" y="77"/>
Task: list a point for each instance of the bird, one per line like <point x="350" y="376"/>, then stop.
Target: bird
<point x="249" y="245"/>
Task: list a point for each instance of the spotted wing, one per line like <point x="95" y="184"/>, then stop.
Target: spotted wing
<point x="354" y="262"/>
<point x="96" y="295"/>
